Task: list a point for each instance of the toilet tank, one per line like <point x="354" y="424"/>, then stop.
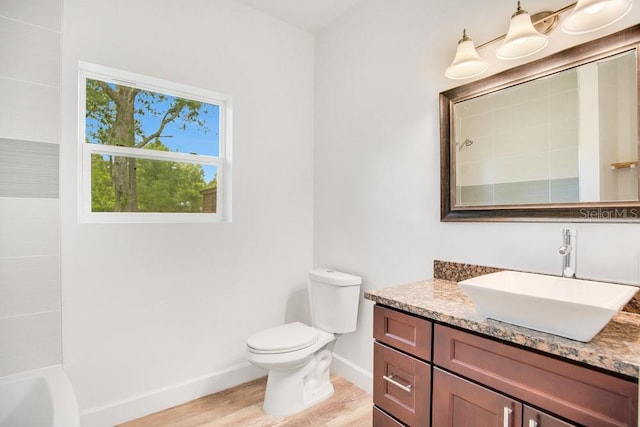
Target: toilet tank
<point x="334" y="299"/>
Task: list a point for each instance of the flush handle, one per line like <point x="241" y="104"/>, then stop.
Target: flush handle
<point x="390" y="379"/>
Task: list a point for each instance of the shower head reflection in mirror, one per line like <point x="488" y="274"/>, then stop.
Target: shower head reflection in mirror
<point x="466" y="143"/>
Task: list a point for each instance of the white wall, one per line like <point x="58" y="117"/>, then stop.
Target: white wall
<point x="29" y="205"/>
<point x="156" y="314"/>
<point x="379" y="71"/>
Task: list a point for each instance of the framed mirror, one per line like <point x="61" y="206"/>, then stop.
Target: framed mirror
<point x="552" y="140"/>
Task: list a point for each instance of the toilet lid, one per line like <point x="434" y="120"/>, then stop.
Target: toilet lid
<point x="284" y="338"/>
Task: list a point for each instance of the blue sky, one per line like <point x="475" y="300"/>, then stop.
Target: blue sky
<point x="193" y="139"/>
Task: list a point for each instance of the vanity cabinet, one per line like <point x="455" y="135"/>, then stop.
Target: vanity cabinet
<point x="428" y="373"/>
<point x="401" y="368"/>
<point x="585" y="396"/>
<point x="463" y="403"/>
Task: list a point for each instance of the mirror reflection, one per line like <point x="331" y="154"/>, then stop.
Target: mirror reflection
<point x="566" y="138"/>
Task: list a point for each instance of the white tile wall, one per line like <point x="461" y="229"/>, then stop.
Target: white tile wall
<point x="527" y="114"/>
<point x="564" y="105"/>
<point x="563" y="163"/>
<point x="29" y="285"/>
<point x="481" y="149"/>
<point x="534" y="167"/>
<point x="34" y="53"/>
<point x="563" y="81"/>
<point x="28" y="169"/>
<point x="477" y="173"/>
<point x="547" y="107"/>
<point x="29" y="342"/>
<point x="42" y="13"/>
<point x="564" y="134"/>
<point x="29" y="227"/>
<point x="22" y="104"/>
<point x="474" y="125"/>
<point x="30" y="329"/>
<point x="514" y="96"/>
<point x="477" y="105"/>
<point x="517" y="143"/>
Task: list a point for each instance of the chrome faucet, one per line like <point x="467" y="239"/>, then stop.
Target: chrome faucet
<point x="568" y="252"/>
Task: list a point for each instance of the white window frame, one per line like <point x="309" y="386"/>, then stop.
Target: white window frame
<point x="85" y="150"/>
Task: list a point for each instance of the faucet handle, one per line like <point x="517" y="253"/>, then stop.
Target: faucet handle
<point x="564" y="250"/>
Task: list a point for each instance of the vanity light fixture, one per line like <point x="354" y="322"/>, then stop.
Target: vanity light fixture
<point x="527" y="34"/>
<point x="592" y="15"/>
<point x="467" y="62"/>
<point x="522" y="38"/>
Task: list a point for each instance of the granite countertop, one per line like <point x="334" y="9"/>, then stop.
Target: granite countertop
<point x="445" y="302"/>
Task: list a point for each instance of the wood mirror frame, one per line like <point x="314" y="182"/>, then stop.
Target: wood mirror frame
<point x="617" y="211"/>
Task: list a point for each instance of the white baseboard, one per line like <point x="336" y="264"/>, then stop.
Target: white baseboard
<point x="167" y="397"/>
<point x="352" y="373"/>
<point x="177" y="394"/>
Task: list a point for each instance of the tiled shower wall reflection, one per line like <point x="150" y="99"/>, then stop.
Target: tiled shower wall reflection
<point x="522" y="144"/>
<point x="30" y="331"/>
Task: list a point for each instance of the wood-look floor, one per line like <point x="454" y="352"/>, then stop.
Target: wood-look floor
<point x="242" y="406"/>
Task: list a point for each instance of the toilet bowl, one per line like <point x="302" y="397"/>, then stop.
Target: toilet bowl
<point x="298" y="361"/>
<point x="297" y="356"/>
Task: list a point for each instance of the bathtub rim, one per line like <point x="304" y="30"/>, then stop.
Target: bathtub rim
<point x="65" y="405"/>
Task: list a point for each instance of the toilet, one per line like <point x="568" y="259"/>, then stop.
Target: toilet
<point x="298" y="356"/>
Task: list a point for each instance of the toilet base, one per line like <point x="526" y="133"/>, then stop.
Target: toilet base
<point x="289" y="392"/>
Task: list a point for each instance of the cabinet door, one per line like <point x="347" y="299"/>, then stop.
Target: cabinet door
<point x="458" y="402"/>
<point x="534" y="418"/>
<point x="401" y="385"/>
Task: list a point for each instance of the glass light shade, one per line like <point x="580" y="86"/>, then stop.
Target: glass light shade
<point x="467" y="63"/>
<point x="591" y="15"/>
<point x="522" y="39"/>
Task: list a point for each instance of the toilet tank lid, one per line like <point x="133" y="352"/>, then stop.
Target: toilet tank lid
<point x="333" y="277"/>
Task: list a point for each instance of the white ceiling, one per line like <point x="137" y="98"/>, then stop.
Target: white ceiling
<point x="309" y="15"/>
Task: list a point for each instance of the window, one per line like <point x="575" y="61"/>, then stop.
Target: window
<point x="152" y="150"/>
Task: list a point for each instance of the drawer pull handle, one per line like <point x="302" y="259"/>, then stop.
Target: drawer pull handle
<point x="390" y="379"/>
<point x="532" y="423"/>
<point x="506" y="416"/>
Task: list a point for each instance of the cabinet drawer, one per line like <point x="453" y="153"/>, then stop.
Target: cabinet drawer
<point x="458" y="402"/>
<point x="403" y="331"/>
<point x="401" y="385"/>
<point x="573" y="392"/>
<point x="381" y="419"/>
<point x="533" y="418"/>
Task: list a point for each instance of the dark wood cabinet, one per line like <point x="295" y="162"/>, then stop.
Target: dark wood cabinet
<point x="402" y="385"/>
<point x="407" y="333"/>
<point x="431" y="374"/>
<point x="534" y="418"/>
<point x="464" y="403"/>
<point x="382" y="419"/>
<point x="574" y="392"/>
<point x="458" y="402"/>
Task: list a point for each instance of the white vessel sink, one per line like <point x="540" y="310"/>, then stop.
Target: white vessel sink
<point x="572" y="308"/>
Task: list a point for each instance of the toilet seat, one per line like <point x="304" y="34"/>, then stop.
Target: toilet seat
<point x="283" y="339"/>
